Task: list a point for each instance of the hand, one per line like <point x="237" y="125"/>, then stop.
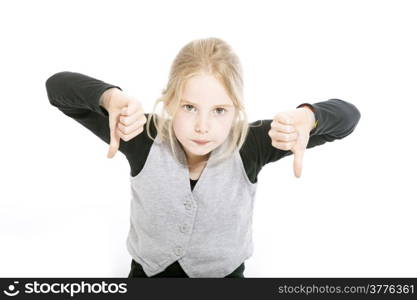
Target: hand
<point x="126" y="118"/>
<point x="290" y="130"/>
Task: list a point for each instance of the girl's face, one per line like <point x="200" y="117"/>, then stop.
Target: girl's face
<point x="205" y="113"/>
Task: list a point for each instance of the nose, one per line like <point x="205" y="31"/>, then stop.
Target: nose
<point x="201" y="125"/>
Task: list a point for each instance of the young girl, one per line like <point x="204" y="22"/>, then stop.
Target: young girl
<point x="194" y="171"/>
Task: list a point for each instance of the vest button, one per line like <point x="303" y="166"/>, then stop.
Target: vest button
<point x="183" y="228"/>
<point x="179" y="250"/>
<point x="188" y="205"/>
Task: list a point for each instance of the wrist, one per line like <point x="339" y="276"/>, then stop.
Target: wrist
<point x="311" y="116"/>
<point x="106" y="97"/>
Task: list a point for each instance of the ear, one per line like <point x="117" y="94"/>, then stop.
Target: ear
<point x="236" y="116"/>
<point x="169" y="108"/>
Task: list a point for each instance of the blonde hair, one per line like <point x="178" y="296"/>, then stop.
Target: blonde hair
<point x="214" y="57"/>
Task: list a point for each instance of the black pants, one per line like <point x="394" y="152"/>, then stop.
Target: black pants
<point x="175" y="270"/>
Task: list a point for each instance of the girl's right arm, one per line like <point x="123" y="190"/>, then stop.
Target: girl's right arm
<point x="84" y="99"/>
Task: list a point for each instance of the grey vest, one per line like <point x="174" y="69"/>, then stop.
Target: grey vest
<point x="207" y="229"/>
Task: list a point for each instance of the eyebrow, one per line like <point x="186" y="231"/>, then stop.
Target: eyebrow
<point x="217" y="105"/>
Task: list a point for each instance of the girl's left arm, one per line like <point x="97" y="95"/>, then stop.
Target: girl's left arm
<point x="334" y="119"/>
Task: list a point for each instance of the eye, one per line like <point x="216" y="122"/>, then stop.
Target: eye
<point x="187" y="106"/>
<point x="221" y="111"/>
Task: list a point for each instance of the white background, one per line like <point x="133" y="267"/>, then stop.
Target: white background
<point x="64" y="207"/>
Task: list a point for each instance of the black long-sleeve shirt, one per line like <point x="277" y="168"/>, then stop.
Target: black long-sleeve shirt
<point x="77" y="96"/>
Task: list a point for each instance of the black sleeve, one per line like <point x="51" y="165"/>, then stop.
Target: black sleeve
<point x="77" y="96"/>
<point x="335" y="119"/>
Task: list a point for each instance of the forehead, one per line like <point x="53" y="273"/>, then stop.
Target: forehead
<point x="205" y="90"/>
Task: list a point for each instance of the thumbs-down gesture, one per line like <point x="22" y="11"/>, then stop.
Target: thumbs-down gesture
<point x="290" y="130"/>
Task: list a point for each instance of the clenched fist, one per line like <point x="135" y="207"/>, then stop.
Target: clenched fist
<point x="126" y="117"/>
<point x="290" y="130"/>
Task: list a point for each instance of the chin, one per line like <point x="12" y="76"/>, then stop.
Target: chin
<point x="200" y="150"/>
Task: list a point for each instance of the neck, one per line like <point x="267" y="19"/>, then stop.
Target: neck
<point x="196" y="160"/>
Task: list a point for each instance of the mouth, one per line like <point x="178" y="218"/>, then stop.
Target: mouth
<point x="201" y="142"/>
